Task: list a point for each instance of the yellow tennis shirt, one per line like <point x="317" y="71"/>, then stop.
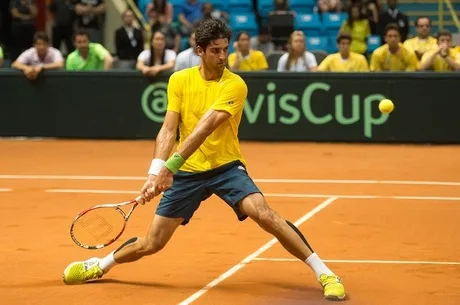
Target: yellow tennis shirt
<point x="191" y="96"/>
<point x="255" y="61"/>
<point x="383" y="60"/>
<point x="335" y="63"/>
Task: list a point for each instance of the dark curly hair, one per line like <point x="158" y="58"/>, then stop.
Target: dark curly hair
<point x="209" y="30"/>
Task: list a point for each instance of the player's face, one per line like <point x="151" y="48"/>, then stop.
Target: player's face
<point x="392" y="38"/>
<point x="445" y="40"/>
<point x="82" y="43"/>
<point x="42" y="47"/>
<point x="423" y="27"/>
<point x="243" y="43"/>
<point x="128" y="18"/>
<point x="344" y="46"/>
<point x="215" y="55"/>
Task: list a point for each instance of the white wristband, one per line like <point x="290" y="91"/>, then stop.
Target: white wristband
<point x="156" y="166"/>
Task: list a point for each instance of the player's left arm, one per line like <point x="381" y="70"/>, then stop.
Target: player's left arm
<point x="453" y="62"/>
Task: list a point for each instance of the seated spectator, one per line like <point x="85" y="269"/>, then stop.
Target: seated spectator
<point x="156" y="6"/>
<point x="358" y="27"/>
<point x="210" y="12"/>
<point x="345" y="60"/>
<point x="244" y="58"/>
<point x="394" y="16"/>
<point x="423" y="42"/>
<point x="188" y="58"/>
<point x="129" y="41"/>
<point x="263" y="42"/>
<point x="329" y="6"/>
<point x="157" y="58"/>
<point x="393" y="56"/>
<point x="444" y="58"/>
<point x="171" y="35"/>
<point x="88" y="55"/>
<point x="38" y="58"/>
<point x="297" y="59"/>
<point x="191" y="13"/>
<point x="1" y="57"/>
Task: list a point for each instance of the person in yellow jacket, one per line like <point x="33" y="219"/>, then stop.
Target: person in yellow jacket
<point x="393" y="56"/>
<point x="344" y="60"/>
<point x="423" y="42"/>
<point x="359" y="29"/>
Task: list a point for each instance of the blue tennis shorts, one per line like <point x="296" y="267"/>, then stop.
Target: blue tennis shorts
<point x="230" y="182"/>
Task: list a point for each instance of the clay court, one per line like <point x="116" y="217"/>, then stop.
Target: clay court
<point x="384" y="217"/>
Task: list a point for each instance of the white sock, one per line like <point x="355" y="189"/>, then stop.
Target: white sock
<point x="107" y="263"/>
<point x="317" y="265"/>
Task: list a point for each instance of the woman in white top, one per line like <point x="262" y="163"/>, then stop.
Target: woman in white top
<point x="158" y="58"/>
<point x="297" y="58"/>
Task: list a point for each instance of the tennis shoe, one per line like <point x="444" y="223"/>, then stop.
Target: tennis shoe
<point x="333" y="287"/>
<point x="82" y="272"/>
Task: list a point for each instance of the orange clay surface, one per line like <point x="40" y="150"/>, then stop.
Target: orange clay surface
<point x="392" y="239"/>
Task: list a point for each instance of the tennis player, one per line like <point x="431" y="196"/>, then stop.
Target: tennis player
<point x="206" y="102"/>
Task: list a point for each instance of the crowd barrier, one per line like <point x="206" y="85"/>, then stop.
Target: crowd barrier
<point x="328" y="107"/>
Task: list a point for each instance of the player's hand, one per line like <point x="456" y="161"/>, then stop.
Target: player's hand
<point x="148" y="190"/>
<point x="163" y="181"/>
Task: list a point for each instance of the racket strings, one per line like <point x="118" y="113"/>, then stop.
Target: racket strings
<point x="98" y="226"/>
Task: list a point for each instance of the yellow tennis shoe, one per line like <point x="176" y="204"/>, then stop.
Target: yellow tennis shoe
<point x="81" y="272"/>
<point x="333" y="287"/>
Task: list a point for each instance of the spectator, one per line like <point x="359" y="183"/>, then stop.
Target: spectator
<point x="244" y="58"/>
<point x="171" y="35"/>
<point x="329" y="6"/>
<point x="156" y="6"/>
<point x="88" y="55"/>
<point x="297" y="59"/>
<point x="38" y="58"/>
<point x="188" y="58"/>
<point x="393" y="15"/>
<point x="358" y="27"/>
<point x="158" y="58"/>
<point x="345" y="60"/>
<point x="393" y="56"/>
<point x="88" y="12"/>
<point x="210" y="12"/>
<point x="423" y="42"/>
<point x="444" y="57"/>
<point x="129" y="41"/>
<point x="263" y="42"/>
<point x="191" y="13"/>
<point x="64" y="16"/>
<point x="1" y="57"/>
<point x="24" y="13"/>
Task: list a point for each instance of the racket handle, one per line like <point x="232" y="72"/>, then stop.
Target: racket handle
<point x="140" y="199"/>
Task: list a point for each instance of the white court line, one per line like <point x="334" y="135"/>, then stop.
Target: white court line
<point x="5" y="190"/>
<point x="253" y="255"/>
<point x="346" y="261"/>
<point x="302" y="181"/>
<point x="285" y="195"/>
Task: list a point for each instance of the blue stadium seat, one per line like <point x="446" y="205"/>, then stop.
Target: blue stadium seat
<point x="218" y="4"/>
<point x="265" y="7"/>
<point x="302" y="6"/>
<point x="244" y="22"/>
<point x="310" y="24"/>
<point x="177" y="8"/>
<point x="373" y="42"/>
<point x="332" y="46"/>
<point x="332" y="22"/>
<point x="240" y="6"/>
<point x="317" y="43"/>
<point x="184" y="43"/>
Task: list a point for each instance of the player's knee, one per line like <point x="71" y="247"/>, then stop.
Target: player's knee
<point x="151" y="246"/>
<point x="269" y="221"/>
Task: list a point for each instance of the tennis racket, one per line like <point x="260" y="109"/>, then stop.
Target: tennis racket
<point x="101" y="225"/>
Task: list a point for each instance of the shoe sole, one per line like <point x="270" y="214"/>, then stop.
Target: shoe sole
<point x="334" y="298"/>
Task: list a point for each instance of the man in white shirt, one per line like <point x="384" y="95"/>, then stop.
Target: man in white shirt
<point x="38" y="58"/>
<point x="188" y="58"/>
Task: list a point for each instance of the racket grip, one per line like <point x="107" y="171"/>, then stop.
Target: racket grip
<point x="140" y="199"/>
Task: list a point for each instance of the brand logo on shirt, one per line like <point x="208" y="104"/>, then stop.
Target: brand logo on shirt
<point x="231" y="103"/>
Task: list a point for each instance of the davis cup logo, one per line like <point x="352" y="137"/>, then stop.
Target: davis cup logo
<point x="155" y="101"/>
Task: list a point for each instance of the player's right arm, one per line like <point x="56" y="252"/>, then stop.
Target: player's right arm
<point x="166" y="137"/>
